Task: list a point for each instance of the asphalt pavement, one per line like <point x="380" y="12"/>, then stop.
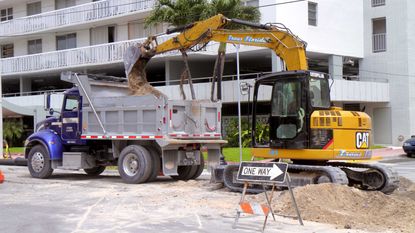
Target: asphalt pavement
<point x="72" y="202"/>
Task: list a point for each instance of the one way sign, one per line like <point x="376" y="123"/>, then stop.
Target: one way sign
<point x="263" y="172"/>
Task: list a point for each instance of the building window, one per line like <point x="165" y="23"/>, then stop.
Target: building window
<point x="67" y="41"/>
<point x="34" y="8"/>
<point x="379" y="35"/>
<point x="138" y="30"/>
<point x="6" y="14"/>
<point x="312" y="13"/>
<point x="34" y="46"/>
<point x="59" y="4"/>
<point x="102" y="35"/>
<point x="7" y="50"/>
<point x="378" y="3"/>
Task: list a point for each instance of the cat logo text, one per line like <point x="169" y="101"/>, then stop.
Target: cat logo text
<point x="362" y="140"/>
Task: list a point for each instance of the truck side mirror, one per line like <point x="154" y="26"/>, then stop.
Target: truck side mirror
<point x="46" y="104"/>
<point x="51" y="111"/>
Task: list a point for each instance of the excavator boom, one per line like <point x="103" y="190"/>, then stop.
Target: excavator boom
<point x="286" y="45"/>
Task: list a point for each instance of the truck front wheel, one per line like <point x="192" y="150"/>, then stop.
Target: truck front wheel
<point x="39" y="163"/>
<point x="135" y="164"/>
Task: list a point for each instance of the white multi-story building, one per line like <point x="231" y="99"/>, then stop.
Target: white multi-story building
<point x="39" y="39"/>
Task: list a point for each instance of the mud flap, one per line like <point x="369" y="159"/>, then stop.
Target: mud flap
<point x="217" y="174"/>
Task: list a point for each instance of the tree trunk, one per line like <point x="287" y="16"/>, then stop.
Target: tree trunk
<point x="218" y="71"/>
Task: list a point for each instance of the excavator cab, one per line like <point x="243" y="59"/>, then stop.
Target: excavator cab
<point x="294" y="95"/>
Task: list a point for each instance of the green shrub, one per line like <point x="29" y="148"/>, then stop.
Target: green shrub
<point x="232" y="133"/>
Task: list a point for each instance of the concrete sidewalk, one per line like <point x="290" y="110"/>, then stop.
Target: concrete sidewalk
<point x="387" y="153"/>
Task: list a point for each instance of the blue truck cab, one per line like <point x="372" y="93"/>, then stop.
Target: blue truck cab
<point x="58" y="133"/>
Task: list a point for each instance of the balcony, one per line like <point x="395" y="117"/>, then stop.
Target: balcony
<point x="75" y="15"/>
<point x="379" y="42"/>
<point x="69" y="58"/>
<point x="96" y="55"/>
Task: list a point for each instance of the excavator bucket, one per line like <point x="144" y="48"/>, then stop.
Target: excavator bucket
<point x="132" y="55"/>
<point x="135" y="61"/>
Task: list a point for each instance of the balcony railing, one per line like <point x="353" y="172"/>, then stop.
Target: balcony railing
<point x="79" y="57"/>
<point x="73" y="15"/>
<point x="379" y="42"/>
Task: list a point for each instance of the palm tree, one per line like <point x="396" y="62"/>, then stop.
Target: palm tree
<point x="12" y="129"/>
<point x="184" y="12"/>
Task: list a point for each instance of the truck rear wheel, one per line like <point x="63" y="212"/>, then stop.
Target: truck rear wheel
<point x="95" y="171"/>
<point x="155" y="156"/>
<point x="185" y="172"/>
<point x="39" y="163"/>
<point x="199" y="168"/>
<point x="135" y="164"/>
<point x="190" y="172"/>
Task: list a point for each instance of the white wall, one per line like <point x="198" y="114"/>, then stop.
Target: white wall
<point x="395" y="64"/>
<point x="339" y="27"/>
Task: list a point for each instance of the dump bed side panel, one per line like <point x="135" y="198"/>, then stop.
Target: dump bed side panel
<point x="194" y="118"/>
<point x="128" y="115"/>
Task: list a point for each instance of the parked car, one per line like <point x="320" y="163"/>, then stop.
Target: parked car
<point x="409" y="147"/>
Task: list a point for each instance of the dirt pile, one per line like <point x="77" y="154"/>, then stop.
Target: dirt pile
<point x="138" y="84"/>
<point x="353" y="208"/>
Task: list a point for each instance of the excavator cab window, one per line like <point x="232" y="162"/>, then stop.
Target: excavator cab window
<point x="319" y="91"/>
<point x="287" y="109"/>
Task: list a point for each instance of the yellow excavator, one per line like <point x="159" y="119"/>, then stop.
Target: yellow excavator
<point x="303" y="125"/>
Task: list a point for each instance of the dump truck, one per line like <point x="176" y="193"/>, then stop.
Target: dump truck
<point x="100" y="124"/>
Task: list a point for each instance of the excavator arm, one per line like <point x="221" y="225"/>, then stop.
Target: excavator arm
<point x="286" y="45"/>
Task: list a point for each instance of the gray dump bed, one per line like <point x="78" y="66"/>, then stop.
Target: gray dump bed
<point x="108" y="111"/>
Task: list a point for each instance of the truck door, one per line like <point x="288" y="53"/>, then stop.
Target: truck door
<point x="70" y="119"/>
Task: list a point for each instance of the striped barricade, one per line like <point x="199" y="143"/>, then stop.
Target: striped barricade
<point x="253" y="208"/>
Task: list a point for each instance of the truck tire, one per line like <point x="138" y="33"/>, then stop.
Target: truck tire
<point x="95" y="171"/>
<point x="185" y="172"/>
<point x="156" y="163"/>
<point x="199" y="168"/>
<point x="135" y="164"/>
<point x="39" y="163"/>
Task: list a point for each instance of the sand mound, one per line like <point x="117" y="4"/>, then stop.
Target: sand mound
<point x="137" y="81"/>
<point x="353" y="208"/>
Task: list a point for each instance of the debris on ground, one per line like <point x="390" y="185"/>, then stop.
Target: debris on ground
<point x="351" y="208"/>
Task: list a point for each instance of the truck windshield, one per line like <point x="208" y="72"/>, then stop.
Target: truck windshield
<point x="286" y="98"/>
<point x="319" y="93"/>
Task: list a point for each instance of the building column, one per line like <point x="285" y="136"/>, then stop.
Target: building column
<point x="276" y="63"/>
<point x="167" y="71"/>
<point x="336" y="66"/>
<point x="25" y="84"/>
<point x="173" y="70"/>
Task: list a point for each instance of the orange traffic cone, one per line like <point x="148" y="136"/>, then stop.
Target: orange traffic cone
<point x="1" y="177"/>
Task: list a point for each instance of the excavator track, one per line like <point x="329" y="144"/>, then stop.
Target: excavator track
<point x="311" y="174"/>
<point x="371" y="177"/>
<point x="314" y="175"/>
